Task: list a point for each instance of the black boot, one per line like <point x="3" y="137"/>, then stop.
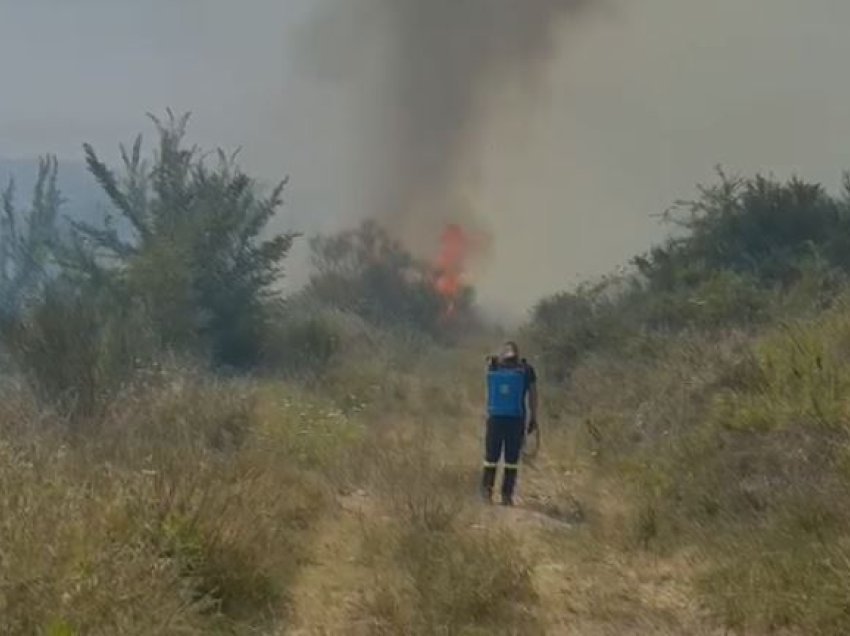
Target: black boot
<point x="508" y="485"/>
<point x="488" y="480"/>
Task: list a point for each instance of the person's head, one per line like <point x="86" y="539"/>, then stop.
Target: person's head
<point x="510" y="352"/>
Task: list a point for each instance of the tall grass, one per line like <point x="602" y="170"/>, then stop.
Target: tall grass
<point x="159" y="498"/>
<point x="736" y="447"/>
<point x="182" y="515"/>
<point x="437" y="571"/>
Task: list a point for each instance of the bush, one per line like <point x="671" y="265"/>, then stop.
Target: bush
<point x="746" y="253"/>
<point x="566" y="327"/>
<point x="75" y="347"/>
<point x="757" y="227"/>
<point x="304" y="341"/>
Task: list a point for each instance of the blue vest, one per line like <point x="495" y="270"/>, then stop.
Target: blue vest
<point x="506" y="389"/>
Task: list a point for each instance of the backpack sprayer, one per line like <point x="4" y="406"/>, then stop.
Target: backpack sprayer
<point x="507" y="390"/>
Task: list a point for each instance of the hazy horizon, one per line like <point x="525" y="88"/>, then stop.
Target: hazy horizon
<point x="636" y="104"/>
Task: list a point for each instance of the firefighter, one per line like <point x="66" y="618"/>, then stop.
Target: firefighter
<point x="511" y="414"/>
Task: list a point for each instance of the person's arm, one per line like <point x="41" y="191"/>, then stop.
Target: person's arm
<point x="532" y="407"/>
<point x="532" y="399"/>
<point x="491" y="365"/>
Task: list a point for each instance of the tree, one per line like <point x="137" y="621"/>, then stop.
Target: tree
<point x="757" y="227"/>
<point x="27" y="239"/>
<point x="741" y="248"/>
<point x="189" y="244"/>
<point x="365" y="271"/>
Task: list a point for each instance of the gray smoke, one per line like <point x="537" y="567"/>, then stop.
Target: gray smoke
<point x="442" y="61"/>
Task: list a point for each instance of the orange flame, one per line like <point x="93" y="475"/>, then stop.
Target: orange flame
<point x="450" y="266"/>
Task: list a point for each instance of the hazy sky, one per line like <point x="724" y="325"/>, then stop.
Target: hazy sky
<point x="640" y="102"/>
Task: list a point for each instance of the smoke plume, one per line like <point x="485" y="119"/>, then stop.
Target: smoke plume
<point x="442" y="62"/>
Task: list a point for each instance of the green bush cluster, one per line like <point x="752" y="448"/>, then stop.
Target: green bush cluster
<point x="744" y="252"/>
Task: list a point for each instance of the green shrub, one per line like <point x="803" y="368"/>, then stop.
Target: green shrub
<point x="746" y="253"/>
<point x="303" y="343"/>
<point x="757" y="227"/>
<point x="75" y="348"/>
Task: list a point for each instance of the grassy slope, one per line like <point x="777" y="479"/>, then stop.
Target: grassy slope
<point x="694" y="490"/>
<point x="698" y="489"/>
<point x="564" y="542"/>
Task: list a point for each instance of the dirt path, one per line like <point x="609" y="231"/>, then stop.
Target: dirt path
<point x="583" y="588"/>
<point x="330" y="585"/>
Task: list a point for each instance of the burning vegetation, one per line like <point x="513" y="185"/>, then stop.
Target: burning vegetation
<point x="459" y="248"/>
<point x="450" y="266"/>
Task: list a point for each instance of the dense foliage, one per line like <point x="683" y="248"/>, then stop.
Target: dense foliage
<point x="740" y="252"/>
<point x="194" y="251"/>
<point x="182" y="263"/>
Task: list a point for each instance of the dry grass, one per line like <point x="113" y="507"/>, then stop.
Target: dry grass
<point x="177" y="518"/>
<point x="733" y="452"/>
<point x="698" y="490"/>
<point x="432" y="567"/>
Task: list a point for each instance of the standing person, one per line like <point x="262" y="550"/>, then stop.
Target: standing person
<point x="511" y="413"/>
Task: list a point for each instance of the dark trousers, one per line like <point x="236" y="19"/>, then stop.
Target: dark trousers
<point x="504" y="436"/>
